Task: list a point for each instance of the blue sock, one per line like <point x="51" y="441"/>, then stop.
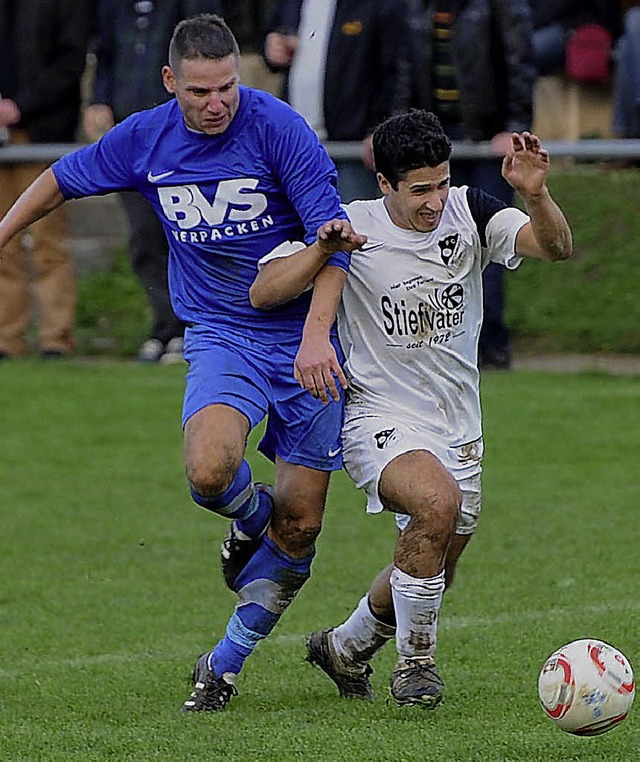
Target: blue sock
<point x="255" y="523"/>
<point x="266" y="587"/>
<point x="240" y="501"/>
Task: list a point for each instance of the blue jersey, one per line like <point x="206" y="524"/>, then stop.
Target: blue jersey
<point x="224" y="201"/>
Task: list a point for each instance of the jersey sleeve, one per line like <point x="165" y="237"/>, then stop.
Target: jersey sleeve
<point x="498" y="226"/>
<point x="99" y="168"/>
<point x="502" y="230"/>
<point x="285" y="249"/>
<point x="309" y="179"/>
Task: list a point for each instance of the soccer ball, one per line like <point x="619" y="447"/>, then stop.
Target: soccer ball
<point x="586" y="687"/>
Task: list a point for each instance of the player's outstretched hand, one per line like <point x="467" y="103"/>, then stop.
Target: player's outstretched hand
<point x="338" y="235"/>
<point x="316" y="368"/>
<point x="526" y="165"/>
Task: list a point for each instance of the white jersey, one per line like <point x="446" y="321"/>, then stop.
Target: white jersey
<point x="411" y="313"/>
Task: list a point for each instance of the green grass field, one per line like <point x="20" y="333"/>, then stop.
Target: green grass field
<point x="585" y="304"/>
<point x="111" y="586"/>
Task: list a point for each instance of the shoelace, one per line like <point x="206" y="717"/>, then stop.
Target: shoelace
<point x="427" y="668"/>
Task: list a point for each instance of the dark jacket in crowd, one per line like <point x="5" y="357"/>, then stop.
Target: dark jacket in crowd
<point x="43" y="53"/>
<point x="493" y="61"/>
<point x="133" y="46"/>
<point x="366" y="76"/>
<point x="247" y="20"/>
<point x="569" y="13"/>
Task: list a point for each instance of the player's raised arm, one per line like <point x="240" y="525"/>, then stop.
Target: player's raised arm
<point x="41" y="197"/>
<point x="525" y="167"/>
<point x="285" y="274"/>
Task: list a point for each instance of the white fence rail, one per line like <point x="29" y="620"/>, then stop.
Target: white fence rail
<point x="589" y="150"/>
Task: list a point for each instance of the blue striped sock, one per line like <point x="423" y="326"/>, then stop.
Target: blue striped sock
<point x="238" y="501"/>
<point x="266" y="587"/>
<point x="254" y="524"/>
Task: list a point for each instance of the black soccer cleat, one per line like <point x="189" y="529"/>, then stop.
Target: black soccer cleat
<point x="352" y="683"/>
<point x="416" y="682"/>
<point x="210" y="693"/>
<point x="237" y="549"/>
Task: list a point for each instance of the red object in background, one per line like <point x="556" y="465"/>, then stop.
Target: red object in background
<point x="588" y="54"/>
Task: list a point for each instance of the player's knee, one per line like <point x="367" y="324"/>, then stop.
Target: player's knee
<point x="211" y="459"/>
<point x="209" y="479"/>
<point x="296" y="535"/>
<point x="439" y="509"/>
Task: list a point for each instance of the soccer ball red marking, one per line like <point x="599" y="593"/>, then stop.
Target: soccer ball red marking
<point x="559" y="701"/>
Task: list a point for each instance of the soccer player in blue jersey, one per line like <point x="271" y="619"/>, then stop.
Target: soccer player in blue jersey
<point x="232" y="173"/>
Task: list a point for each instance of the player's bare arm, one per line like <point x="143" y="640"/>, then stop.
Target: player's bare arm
<point x="526" y="167"/>
<point x="316" y="365"/>
<point x="38" y="199"/>
<point x="282" y="279"/>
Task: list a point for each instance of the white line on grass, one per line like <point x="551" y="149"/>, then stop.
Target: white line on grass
<point x="446" y="623"/>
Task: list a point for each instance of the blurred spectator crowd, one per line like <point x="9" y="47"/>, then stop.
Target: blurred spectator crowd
<point x="71" y="69"/>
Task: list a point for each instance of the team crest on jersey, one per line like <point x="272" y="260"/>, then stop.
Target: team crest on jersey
<point x="448" y="246"/>
<point x="385" y="437"/>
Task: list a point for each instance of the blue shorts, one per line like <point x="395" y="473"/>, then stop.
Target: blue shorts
<point x="257" y="379"/>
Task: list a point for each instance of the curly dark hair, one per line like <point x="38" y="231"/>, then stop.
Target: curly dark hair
<point x="409" y="141"/>
<point x="203" y="36"/>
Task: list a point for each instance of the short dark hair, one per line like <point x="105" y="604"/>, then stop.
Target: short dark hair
<point x="409" y="141"/>
<point x="203" y="36"/>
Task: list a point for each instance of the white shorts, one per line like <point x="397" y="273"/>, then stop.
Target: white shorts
<point x="371" y="440"/>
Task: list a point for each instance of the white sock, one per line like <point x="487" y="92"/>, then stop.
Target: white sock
<point x="417" y="604"/>
<point x="361" y="636"/>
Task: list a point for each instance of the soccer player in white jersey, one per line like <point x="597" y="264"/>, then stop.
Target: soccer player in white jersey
<point x="409" y="322"/>
<point x="232" y="173"/>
